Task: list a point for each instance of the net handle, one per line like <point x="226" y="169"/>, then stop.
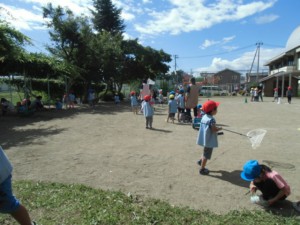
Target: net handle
<point x="235" y="132"/>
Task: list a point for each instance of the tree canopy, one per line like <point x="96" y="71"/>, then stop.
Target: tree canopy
<point x="83" y="50"/>
<point x="106" y="17"/>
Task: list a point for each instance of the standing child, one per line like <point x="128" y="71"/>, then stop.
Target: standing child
<point x="91" y="98"/>
<point x="275" y="94"/>
<point x="172" y="108"/>
<point x="200" y="112"/>
<point x="8" y="202"/>
<point x="148" y="111"/>
<point x="181" y="105"/>
<point x="207" y="136"/>
<point x="71" y="100"/>
<point x="272" y="186"/>
<point x="289" y="94"/>
<point x="252" y="94"/>
<point x="134" y="102"/>
<point x="160" y="98"/>
<point x="117" y="99"/>
<point x="255" y="94"/>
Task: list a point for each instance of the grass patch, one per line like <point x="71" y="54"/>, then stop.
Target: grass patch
<point x="14" y="97"/>
<point x="61" y="204"/>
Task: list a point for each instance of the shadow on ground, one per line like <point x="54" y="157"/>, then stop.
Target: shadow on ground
<point x="11" y="124"/>
<point x="232" y="177"/>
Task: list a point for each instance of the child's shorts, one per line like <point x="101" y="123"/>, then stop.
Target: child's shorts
<point x="171" y="115"/>
<point x="207" y="152"/>
<point x="8" y="202"/>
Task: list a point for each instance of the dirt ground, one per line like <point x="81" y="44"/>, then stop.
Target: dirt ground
<point x="109" y="148"/>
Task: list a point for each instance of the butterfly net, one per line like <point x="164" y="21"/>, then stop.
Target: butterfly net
<point x="256" y="137"/>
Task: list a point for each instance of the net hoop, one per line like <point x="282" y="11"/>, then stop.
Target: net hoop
<point x="256" y="137"/>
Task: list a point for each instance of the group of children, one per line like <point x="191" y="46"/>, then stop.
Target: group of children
<point x="176" y="104"/>
<point x="255" y="94"/>
<point x="270" y="183"/>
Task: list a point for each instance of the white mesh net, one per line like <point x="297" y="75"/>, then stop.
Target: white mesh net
<point x="256" y="136"/>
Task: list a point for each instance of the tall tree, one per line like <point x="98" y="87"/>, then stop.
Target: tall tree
<point x="71" y="37"/>
<point x="107" y="17"/>
<point x="11" y="42"/>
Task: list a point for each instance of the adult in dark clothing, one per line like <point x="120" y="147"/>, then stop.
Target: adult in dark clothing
<point x="260" y="89"/>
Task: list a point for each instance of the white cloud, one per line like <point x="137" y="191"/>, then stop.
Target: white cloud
<point x="266" y="19"/>
<point x="21" y="18"/>
<point x="32" y="18"/>
<point x="127" y="16"/>
<point x="228" y="39"/>
<point x="191" y="15"/>
<point x="229" y="48"/>
<point x="208" y="43"/>
<point x="127" y="36"/>
<point x="243" y="62"/>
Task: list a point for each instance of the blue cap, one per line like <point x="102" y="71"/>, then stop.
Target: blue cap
<point x="251" y="170"/>
<point x="199" y="106"/>
<point x="172" y="92"/>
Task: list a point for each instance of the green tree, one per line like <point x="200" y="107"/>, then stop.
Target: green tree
<point x="12" y="50"/>
<point x="71" y="37"/>
<point x="106" y="17"/>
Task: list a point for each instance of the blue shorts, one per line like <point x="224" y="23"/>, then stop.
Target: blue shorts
<point x="207" y="152"/>
<point x="8" y="202"/>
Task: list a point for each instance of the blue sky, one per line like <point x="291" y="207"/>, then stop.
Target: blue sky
<point x="206" y="35"/>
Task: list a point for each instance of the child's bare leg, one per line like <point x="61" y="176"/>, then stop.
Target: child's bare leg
<point x="203" y="162"/>
<point x="21" y="216"/>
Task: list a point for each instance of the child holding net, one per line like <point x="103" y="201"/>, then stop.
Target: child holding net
<point x="208" y="134"/>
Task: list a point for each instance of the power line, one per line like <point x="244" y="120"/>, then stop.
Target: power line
<point x="228" y="52"/>
<point x="221" y="53"/>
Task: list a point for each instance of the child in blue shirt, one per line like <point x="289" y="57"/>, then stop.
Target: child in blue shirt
<point x="172" y="108"/>
<point x="8" y="202"/>
<point x="208" y="133"/>
<point x="180" y="105"/>
<point x="134" y="102"/>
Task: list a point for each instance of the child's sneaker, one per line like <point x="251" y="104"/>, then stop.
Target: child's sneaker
<point x="199" y="162"/>
<point x="204" y="171"/>
<point x="296" y="206"/>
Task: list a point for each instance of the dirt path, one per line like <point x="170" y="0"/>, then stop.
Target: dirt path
<point x="109" y="148"/>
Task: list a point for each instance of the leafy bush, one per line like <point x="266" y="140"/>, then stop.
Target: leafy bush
<point x="109" y="96"/>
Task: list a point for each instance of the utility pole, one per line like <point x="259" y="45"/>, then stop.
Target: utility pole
<point x="258" y="44"/>
<point x="175" y="66"/>
<point x="257" y="52"/>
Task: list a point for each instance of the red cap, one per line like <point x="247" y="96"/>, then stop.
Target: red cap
<point x="209" y="106"/>
<point x="132" y="93"/>
<point x="147" y="98"/>
<point x="275" y="89"/>
<point x="289" y="88"/>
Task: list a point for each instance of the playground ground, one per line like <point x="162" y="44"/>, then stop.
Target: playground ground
<point x="109" y="148"/>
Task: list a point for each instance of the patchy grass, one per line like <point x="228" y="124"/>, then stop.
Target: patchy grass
<point x="60" y="204"/>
